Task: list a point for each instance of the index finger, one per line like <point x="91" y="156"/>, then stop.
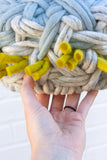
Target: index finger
<point x="87" y="103"/>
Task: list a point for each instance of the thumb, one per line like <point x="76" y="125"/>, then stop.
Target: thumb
<point x="29" y="99"/>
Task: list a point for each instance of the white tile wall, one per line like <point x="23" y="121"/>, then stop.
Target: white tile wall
<point x="14" y="144"/>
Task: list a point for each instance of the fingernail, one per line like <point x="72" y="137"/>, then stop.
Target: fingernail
<point x="24" y="76"/>
<point x="95" y="92"/>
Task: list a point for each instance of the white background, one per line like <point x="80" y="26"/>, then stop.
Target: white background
<point x="14" y="144"/>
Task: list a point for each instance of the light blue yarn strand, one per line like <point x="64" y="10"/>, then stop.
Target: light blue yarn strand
<point x="53" y="20"/>
<point x="89" y="2"/>
<point x="8" y="24"/>
<point x="74" y="4"/>
<point x="48" y="42"/>
<point x="81" y="45"/>
<point x="45" y="18"/>
<point x="99" y="2"/>
<point x="71" y="11"/>
<point x="4" y="7"/>
<point x="11" y="1"/>
<point x="68" y="8"/>
<point x="29" y="10"/>
<point x="4" y="37"/>
<point x="42" y="3"/>
<point x="41" y="20"/>
<point x="53" y="9"/>
<point x="49" y="33"/>
<point x="10" y="13"/>
<point x="88" y="12"/>
<point x="38" y="11"/>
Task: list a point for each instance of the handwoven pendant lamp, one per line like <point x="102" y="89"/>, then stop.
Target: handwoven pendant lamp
<point x="62" y="44"/>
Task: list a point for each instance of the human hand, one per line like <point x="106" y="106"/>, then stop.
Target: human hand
<point x="55" y="134"/>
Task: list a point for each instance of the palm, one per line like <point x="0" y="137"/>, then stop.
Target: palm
<point x="72" y="126"/>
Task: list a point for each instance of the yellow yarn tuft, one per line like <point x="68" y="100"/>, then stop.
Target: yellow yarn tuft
<point x="67" y="59"/>
<point x="26" y="57"/>
<point x="10" y="58"/>
<point x="71" y="64"/>
<point x="3" y="73"/>
<point x="3" y="66"/>
<point x="16" y="67"/>
<point x="102" y="64"/>
<point x="65" y="48"/>
<point x="37" y="75"/>
<point x="63" y="60"/>
<point x="46" y="59"/>
<point x="21" y="63"/>
<point x="78" y="55"/>
<point x="29" y="70"/>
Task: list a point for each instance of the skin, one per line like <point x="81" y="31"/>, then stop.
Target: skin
<point x="55" y="134"/>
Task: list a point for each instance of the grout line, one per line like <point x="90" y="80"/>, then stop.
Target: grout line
<point x="96" y="146"/>
<point x="97" y="126"/>
<point x="12" y="121"/>
<point x="17" y="144"/>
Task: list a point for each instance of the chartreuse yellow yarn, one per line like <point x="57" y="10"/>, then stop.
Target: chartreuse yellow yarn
<point x="46" y="65"/>
<point x="3" y="66"/>
<point x="71" y="64"/>
<point x="3" y="70"/>
<point x="3" y="73"/>
<point x="29" y="70"/>
<point x="78" y="55"/>
<point x="20" y="63"/>
<point x="63" y="60"/>
<point x="26" y="57"/>
<point x="10" y="58"/>
<point x="46" y="58"/>
<point x="102" y="64"/>
<point x="65" y="48"/>
<point x="68" y="58"/>
<point x="16" y="67"/>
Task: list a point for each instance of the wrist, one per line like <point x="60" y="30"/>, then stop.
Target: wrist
<point x="55" y="154"/>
